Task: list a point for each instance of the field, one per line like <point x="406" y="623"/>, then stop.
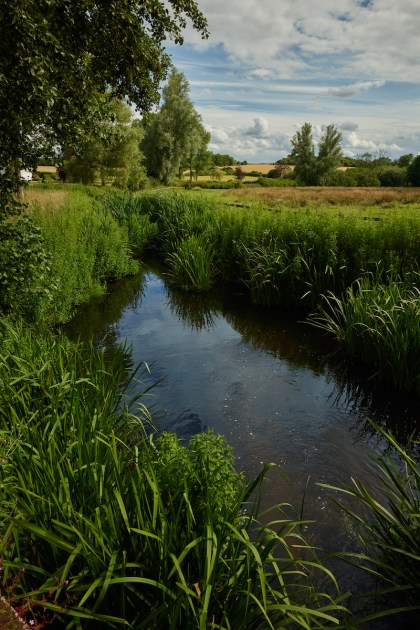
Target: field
<point x="330" y="195"/>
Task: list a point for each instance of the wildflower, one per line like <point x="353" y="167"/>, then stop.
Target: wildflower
<point x="31" y="622"/>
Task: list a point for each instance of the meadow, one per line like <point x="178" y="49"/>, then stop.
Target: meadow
<point x="103" y="522"/>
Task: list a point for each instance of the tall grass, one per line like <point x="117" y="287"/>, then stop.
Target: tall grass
<point x="191" y="265"/>
<point x="379" y="324"/>
<point x="117" y="528"/>
<point x="388" y="525"/>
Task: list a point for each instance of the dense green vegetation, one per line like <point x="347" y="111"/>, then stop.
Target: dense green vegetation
<point x="358" y="268"/>
<point x="114" y="525"/>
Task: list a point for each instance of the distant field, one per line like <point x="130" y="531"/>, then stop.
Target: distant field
<point x="46" y="169"/>
<point x="260" y="168"/>
<point x="330" y="195"/>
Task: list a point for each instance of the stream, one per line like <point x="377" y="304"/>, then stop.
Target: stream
<point x="275" y="388"/>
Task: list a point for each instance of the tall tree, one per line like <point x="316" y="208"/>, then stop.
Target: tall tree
<point x="174" y="134"/>
<point x="61" y="61"/>
<point x="114" y="155"/>
<point x="310" y="168"/>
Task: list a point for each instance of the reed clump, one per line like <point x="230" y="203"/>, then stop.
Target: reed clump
<point x="109" y="525"/>
<point x="387" y="522"/>
<point x="379" y="324"/>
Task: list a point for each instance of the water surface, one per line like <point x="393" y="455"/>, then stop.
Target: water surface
<point x="272" y="386"/>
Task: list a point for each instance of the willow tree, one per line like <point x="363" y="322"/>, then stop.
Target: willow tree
<point x="311" y="169"/>
<point x="175" y="134"/>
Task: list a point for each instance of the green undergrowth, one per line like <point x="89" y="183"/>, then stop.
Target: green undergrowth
<point x="107" y="524"/>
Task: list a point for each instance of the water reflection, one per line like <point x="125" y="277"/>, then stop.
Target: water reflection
<point x="275" y="388"/>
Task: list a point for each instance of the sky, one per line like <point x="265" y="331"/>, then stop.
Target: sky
<point x="271" y="65"/>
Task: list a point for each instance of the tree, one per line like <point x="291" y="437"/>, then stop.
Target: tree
<point x="175" y="134"/>
<point x="310" y="168"/>
<point x="61" y="61"/>
<point x="404" y="160"/>
<point x="239" y="174"/>
<point x="413" y="172"/>
<point x="114" y="155"/>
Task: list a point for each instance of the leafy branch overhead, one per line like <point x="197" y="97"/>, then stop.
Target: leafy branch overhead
<point x="61" y="60"/>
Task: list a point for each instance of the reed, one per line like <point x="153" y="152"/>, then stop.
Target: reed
<point x="191" y="266"/>
<point x="387" y="522"/>
<point x="379" y="324"/>
<point x="113" y="527"/>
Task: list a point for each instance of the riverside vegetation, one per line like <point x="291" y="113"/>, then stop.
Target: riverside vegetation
<point x="115" y="526"/>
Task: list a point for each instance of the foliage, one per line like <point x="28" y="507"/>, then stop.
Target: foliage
<point x="413" y="172"/>
<point x="283" y="182"/>
<point x="388" y="525"/>
<point x="191" y="265"/>
<point x="113" y="157"/>
<point x="311" y="169"/>
<point x="60" y="62"/>
<point x="380" y="324"/>
<point x="86" y="248"/>
<point x="393" y="176"/>
<point x="24" y="262"/>
<point x="175" y="134"/>
<point x="119" y="528"/>
<point x="239" y="173"/>
<point x="357" y="177"/>
<point x="125" y="209"/>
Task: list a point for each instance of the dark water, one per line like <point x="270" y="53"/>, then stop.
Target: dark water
<point x="272" y="386"/>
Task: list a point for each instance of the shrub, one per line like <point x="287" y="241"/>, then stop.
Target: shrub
<point x="413" y="172"/>
<point x="283" y="182"/>
<point x="394" y="176"/>
<point x="24" y="263"/>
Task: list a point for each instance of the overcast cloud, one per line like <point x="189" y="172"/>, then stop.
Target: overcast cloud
<point x="271" y="65"/>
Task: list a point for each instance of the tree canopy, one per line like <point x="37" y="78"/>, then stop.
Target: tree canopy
<point x="114" y="156"/>
<point x="175" y="134"/>
<point x="62" y="60"/>
<point x="310" y="168"/>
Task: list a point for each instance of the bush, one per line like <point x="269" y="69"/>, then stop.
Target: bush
<point x="25" y="265"/>
<point x="393" y="176"/>
<point x="282" y="182"/>
<point x="413" y="172"/>
<point x="357" y="177"/>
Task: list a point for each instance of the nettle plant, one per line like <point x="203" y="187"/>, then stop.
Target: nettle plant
<point x="24" y="261"/>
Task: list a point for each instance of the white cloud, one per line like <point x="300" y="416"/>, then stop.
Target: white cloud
<point x="353" y="141"/>
<point x="355" y="88"/>
<point x="257" y="142"/>
<point x="375" y="42"/>
<point x="260" y="128"/>
<point x="268" y="67"/>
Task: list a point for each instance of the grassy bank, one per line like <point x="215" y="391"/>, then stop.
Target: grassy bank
<point x="103" y="524"/>
<point x="316" y="258"/>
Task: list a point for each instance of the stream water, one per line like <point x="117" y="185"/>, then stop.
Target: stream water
<point x="272" y="386"/>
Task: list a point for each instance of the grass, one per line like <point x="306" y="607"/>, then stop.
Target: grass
<point x="388" y="525"/>
<point x="191" y="266"/>
<point x="379" y="324"/>
<point x="112" y="526"/>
